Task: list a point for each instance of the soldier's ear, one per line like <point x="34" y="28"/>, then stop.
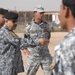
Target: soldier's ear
<point x="67" y="12"/>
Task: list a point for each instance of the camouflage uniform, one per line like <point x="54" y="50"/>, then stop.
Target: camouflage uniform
<point x="65" y="54"/>
<point x="10" y="55"/>
<point x="39" y="55"/>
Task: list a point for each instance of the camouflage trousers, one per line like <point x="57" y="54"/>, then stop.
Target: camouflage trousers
<point x="34" y="63"/>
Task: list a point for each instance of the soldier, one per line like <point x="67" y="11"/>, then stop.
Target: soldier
<point x="65" y="50"/>
<point x="2" y="12"/>
<point x="10" y="45"/>
<point x="39" y="55"/>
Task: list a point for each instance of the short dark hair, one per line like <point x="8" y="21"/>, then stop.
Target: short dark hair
<point x="3" y="11"/>
<point x="70" y="4"/>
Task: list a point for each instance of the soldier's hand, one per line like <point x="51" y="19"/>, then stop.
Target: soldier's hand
<point x="53" y="64"/>
<point x="26" y="52"/>
<point x="43" y="41"/>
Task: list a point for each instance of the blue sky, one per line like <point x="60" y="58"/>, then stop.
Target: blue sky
<point x="28" y="5"/>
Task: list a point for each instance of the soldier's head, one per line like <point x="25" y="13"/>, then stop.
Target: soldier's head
<point x="39" y="12"/>
<point x="67" y="13"/>
<point x="11" y="19"/>
<point x="2" y="12"/>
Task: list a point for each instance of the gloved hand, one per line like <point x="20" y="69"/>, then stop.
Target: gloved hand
<point x="53" y="64"/>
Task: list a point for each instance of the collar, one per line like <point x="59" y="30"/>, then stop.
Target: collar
<point x="33" y="20"/>
<point x="7" y="28"/>
<point x="72" y="30"/>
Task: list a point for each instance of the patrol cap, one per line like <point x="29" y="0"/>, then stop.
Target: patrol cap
<point x="11" y="16"/>
<point x="3" y="11"/>
<point x="39" y="8"/>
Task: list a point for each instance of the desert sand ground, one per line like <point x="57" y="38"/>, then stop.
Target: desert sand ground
<point x="56" y="37"/>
